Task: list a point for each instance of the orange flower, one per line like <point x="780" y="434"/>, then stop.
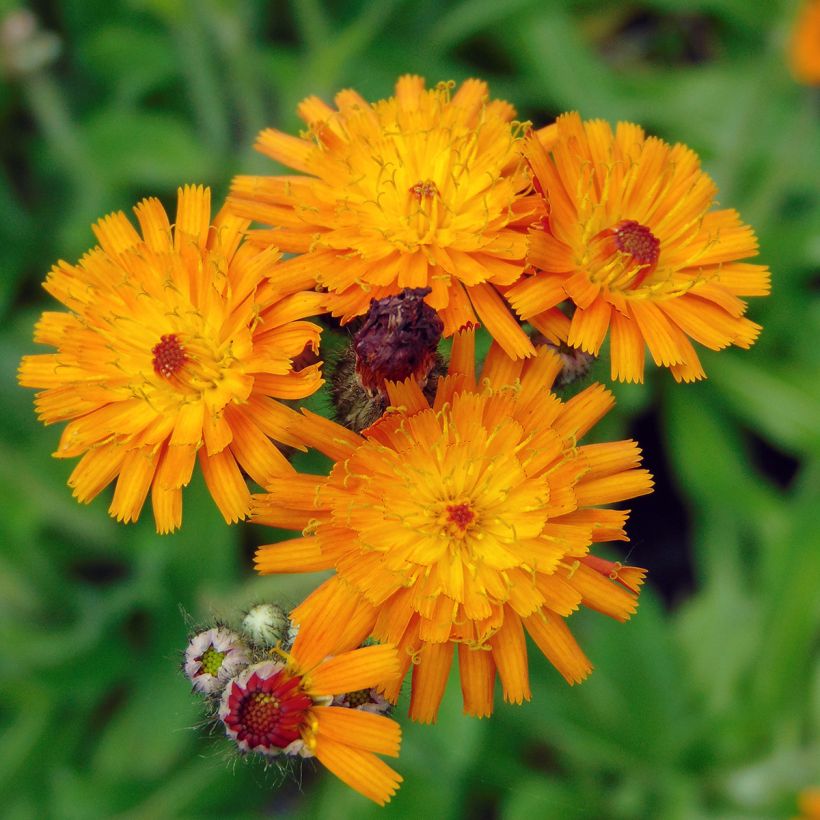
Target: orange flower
<point x="284" y="706"/>
<point x="632" y="239"/>
<point x="465" y="524"/>
<point x="421" y="190"/>
<point x="176" y="345"/>
<point x="804" y="48"/>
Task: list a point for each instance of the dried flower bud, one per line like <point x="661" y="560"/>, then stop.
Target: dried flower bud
<point x="25" y="48"/>
<point x="213" y="657"/>
<point x="397" y="340"/>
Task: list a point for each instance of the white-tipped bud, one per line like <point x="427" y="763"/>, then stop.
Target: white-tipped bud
<point x="213" y="657"/>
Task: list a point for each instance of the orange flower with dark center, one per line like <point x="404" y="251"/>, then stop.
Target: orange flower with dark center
<point x="177" y="346"/>
<point x="461" y="525"/>
<point x="633" y="241"/>
<point x="427" y="189"/>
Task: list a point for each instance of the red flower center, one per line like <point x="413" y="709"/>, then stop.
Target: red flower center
<point x="638" y="241"/>
<point x="461" y="515"/>
<point x="268" y="712"/>
<point x="169" y="356"/>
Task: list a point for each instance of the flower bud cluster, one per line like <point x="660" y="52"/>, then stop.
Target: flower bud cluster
<point x="217" y="655"/>
<point x="249" y="688"/>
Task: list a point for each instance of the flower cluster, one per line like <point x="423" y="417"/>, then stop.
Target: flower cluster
<point x="271" y="702"/>
<point x="464" y="505"/>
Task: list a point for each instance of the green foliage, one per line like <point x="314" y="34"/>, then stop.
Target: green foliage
<point x="709" y="707"/>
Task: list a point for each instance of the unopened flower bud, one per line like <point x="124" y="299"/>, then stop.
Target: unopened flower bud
<point x="213" y="657"/>
<point x="268" y="625"/>
<point x="576" y="363"/>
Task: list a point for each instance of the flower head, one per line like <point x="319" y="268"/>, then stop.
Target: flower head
<point x="177" y="344"/>
<point x="425" y="189"/>
<point x="804" y="47"/>
<point x="632" y="239"/>
<point x="285" y="707"/>
<point x="465" y="523"/>
<point x="213" y="657"/>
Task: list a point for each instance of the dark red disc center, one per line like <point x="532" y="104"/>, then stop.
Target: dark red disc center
<point x="638" y="241"/>
<point x="169" y="356"/>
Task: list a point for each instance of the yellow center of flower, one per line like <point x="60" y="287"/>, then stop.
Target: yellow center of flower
<point x="358" y="698"/>
<point x="190" y="365"/>
<point x="261" y="711"/>
<point x="424" y="190"/>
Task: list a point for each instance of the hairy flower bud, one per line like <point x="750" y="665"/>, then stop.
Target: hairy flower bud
<point x="268" y="626"/>
<point x="213" y="657"/>
<point x="576" y="363"/>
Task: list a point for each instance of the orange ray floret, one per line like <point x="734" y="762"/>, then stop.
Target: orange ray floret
<point x="177" y="345"/>
<point x="631" y="238"/>
<point x="804" y="47"/>
<point x="425" y="189"/>
<point x="284" y="706"/>
<point x="466" y="523"/>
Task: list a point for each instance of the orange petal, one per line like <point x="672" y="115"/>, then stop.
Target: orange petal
<point x="553" y="638"/>
<point x="497" y="318"/>
<point x="510" y="655"/>
<point x="429" y="679"/>
<point x="362" y="771"/>
<point x="626" y="349"/>
<point x="477" y="672"/>
<point x="293" y="555"/>
<point x="226" y="485"/>
<point x="355" y="727"/>
<point x="362" y="668"/>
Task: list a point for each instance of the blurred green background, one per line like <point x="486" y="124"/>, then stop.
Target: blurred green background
<point x="706" y="705"/>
